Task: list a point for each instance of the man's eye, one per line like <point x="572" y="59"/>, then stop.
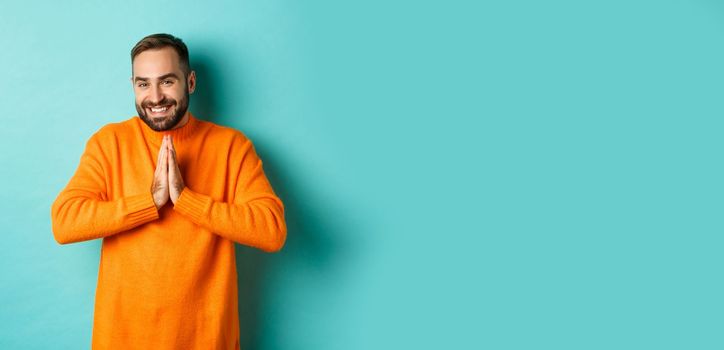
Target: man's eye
<point x="142" y="84"/>
<point x="167" y="82"/>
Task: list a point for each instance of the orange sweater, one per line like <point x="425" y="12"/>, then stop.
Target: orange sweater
<point x="167" y="278"/>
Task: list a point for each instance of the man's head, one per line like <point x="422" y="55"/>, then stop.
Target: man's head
<point x="162" y="80"/>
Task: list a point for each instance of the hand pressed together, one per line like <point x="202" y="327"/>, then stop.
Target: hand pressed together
<point x="167" y="181"/>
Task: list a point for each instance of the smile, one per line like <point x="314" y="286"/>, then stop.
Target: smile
<point x="159" y="109"/>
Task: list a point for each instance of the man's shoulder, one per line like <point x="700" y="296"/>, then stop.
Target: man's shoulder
<point x="113" y="129"/>
<point x="225" y="132"/>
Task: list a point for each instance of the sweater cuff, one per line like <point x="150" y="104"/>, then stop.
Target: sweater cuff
<point x="141" y="208"/>
<point x="193" y="204"/>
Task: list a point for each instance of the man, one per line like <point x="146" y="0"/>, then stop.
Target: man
<point x="169" y="194"/>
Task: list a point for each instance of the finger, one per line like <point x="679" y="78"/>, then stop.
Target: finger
<point x="172" y="149"/>
<point x="179" y="178"/>
<point x="171" y="160"/>
<point x="164" y="162"/>
<point x="172" y="153"/>
<point x="159" y="174"/>
<point x="160" y="152"/>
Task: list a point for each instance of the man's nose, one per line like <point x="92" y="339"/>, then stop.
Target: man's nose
<point x="156" y="95"/>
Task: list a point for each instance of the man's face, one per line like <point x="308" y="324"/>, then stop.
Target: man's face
<point x="162" y="91"/>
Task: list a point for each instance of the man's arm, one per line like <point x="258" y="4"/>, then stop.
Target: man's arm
<point x="254" y="217"/>
<point x="82" y="210"/>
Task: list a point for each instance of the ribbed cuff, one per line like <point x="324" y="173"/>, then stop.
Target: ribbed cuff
<point x="141" y="208"/>
<point x="192" y="204"/>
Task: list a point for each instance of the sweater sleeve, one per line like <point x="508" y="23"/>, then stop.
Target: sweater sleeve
<point x="82" y="210"/>
<point x="254" y="217"/>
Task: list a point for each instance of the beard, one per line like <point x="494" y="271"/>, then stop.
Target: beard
<point x="169" y="122"/>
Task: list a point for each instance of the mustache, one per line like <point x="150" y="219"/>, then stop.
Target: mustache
<point x="163" y="102"/>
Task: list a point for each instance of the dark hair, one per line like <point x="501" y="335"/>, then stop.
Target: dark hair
<point x="159" y="41"/>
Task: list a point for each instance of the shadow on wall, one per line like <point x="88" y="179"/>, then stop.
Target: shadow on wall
<point x="202" y="101"/>
<point x="310" y="240"/>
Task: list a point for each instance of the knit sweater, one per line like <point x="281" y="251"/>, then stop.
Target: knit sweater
<point x="167" y="278"/>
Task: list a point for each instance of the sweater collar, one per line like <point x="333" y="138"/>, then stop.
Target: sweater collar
<point x="179" y="134"/>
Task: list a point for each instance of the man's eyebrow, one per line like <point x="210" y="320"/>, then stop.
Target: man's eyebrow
<point x="168" y="75"/>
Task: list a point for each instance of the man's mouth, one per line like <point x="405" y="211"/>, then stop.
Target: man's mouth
<point x="159" y="110"/>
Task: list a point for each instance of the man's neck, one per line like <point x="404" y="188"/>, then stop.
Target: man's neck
<point x="183" y="121"/>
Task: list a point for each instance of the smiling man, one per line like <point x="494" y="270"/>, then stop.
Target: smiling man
<point x="169" y="194"/>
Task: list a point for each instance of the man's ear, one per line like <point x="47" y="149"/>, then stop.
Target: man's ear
<point x="191" y="82"/>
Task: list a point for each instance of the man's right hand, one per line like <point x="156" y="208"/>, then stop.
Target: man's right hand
<point x="159" y="188"/>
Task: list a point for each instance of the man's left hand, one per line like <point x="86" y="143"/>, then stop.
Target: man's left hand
<point x="175" y="181"/>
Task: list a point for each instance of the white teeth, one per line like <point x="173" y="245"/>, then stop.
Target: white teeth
<point x="157" y="110"/>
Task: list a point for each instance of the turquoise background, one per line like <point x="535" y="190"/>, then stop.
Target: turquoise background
<point x="457" y="174"/>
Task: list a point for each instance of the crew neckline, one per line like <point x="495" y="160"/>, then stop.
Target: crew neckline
<point x="179" y="134"/>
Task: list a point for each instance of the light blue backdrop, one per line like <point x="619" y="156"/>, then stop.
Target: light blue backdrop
<point x="457" y="174"/>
